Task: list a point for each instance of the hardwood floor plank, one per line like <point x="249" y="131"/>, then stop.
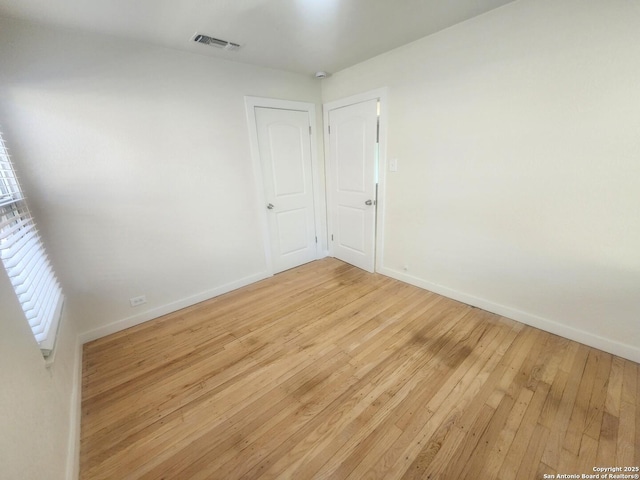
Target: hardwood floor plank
<point x="587" y="455"/>
<point x="593" y="420"/>
<point x="544" y="469"/>
<point x="625" y="448"/>
<point x="554" y="400"/>
<point x="510" y="367"/>
<point x="577" y="423"/>
<point x="553" y="451"/>
<point x="516" y="378"/>
<point x="328" y="372"/>
<point x="614" y="389"/>
<point x="523" y="436"/>
<point x="554" y="354"/>
<point x="608" y="439"/>
<point x="489" y="440"/>
<point x="496" y="456"/>
<point x="368" y="453"/>
<point x="529" y="466"/>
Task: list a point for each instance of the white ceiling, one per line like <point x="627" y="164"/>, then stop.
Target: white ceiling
<point x="296" y="35"/>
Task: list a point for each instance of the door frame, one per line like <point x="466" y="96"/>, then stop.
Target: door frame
<point x="318" y="190"/>
<point x="381" y="94"/>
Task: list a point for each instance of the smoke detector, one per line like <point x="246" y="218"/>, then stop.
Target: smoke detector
<point x="321" y="74"/>
<point x="215" y="42"/>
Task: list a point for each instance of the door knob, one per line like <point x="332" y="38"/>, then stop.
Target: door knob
<point x="368" y="202"/>
<point x="270" y="206"/>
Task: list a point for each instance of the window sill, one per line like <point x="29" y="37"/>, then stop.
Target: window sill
<point x="47" y="347"/>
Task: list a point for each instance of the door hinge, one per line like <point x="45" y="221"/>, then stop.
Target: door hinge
<point x="316" y="239"/>
<point x="329" y="128"/>
<point x="309" y="129"/>
<point x="332" y="237"/>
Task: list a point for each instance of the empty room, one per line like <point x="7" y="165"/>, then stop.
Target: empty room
<point x="203" y="279"/>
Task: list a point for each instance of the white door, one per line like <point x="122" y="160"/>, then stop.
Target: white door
<point x="284" y="147"/>
<point x="352" y="183"/>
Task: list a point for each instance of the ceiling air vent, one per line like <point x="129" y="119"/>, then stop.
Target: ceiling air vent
<point x="215" y="42"/>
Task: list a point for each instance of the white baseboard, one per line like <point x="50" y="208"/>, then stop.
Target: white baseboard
<point x="134" y="320"/>
<point x="624" y="350"/>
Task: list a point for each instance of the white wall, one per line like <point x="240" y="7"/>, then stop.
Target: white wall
<point x="519" y="161"/>
<point x="138" y="164"/>
<point x="36" y="413"/>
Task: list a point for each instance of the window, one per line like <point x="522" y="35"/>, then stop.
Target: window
<point x="25" y="259"/>
<point x="7" y="186"/>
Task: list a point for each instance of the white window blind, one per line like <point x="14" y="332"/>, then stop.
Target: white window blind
<point x="25" y="260"/>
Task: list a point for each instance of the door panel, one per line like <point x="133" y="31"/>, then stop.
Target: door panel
<point x="352" y="156"/>
<point x="292" y="229"/>
<point x="351" y="228"/>
<point x="351" y="138"/>
<point x="285" y="155"/>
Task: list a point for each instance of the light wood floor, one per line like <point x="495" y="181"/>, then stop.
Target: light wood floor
<point x="326" y="371"/>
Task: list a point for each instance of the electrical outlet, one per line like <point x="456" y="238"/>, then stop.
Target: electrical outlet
<point x="137" y="301"/>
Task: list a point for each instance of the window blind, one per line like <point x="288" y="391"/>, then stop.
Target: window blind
<point x="25" y="260"/>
